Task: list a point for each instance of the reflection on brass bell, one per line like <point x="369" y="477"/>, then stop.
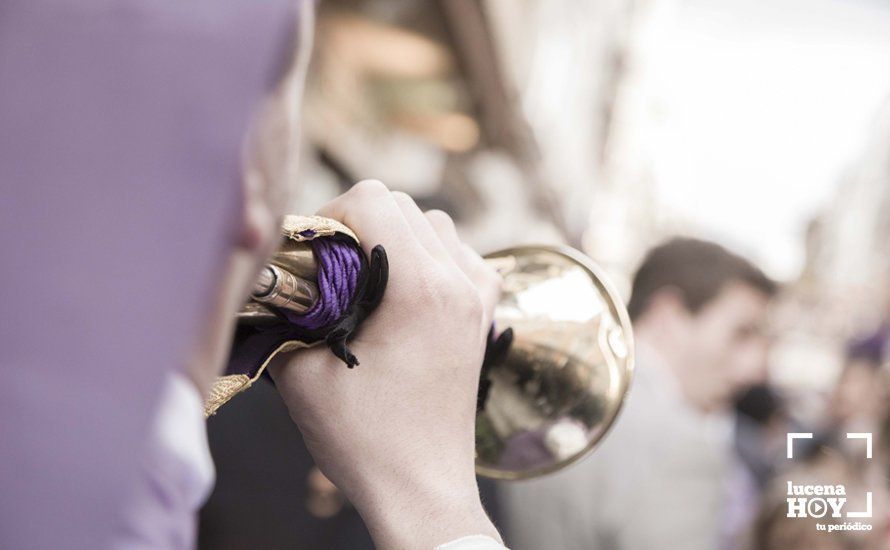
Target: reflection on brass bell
<point x="566" y="374"/>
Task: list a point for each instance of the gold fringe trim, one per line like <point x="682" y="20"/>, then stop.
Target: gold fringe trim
<point x="224" y="388"/>
<point x="227" y="387"/>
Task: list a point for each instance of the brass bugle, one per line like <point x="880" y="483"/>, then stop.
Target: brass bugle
<point x="565" y="376"/>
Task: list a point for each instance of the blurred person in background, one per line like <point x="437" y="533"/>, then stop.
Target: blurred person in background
<point x="133" y="236"/>
<point x="820" y="462"/>
<point x="859" y="401"/>
<point x="773" y="530"/>
<point x="659" y="481"/>
<point x="760" y="426"/>
<point x="857" y="405"/>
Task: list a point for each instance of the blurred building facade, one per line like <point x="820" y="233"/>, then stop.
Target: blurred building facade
<point x="498" y="112"/>
<point x="844" y="288"/>
<point x="849" y="244"/>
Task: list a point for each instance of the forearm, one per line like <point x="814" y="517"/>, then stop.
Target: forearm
<point x="426" y="514"/>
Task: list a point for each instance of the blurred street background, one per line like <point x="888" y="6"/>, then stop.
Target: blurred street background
<point x="609" y="125"/>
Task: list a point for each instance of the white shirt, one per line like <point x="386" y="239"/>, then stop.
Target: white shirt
<point x="178" y="474"/>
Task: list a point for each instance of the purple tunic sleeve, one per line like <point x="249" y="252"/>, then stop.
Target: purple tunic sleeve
<point x="121" y="124"/>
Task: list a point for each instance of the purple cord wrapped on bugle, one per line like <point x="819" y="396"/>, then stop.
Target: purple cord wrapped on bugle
<point x="339" y="264"/>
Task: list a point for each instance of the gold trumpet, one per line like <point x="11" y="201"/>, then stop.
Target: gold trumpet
<point x="563" y="380"/>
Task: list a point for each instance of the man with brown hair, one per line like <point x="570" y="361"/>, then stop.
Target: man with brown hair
<point x="658" y="480"/>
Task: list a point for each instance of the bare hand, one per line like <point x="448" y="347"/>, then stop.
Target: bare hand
<point x="396" y="434"/>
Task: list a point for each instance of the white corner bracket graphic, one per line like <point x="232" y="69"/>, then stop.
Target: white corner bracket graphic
<point x="798" y="435"/>
<point x="867" y="438"/>
<point x="867" y="512"/>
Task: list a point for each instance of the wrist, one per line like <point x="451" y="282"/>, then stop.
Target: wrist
<point x="424" y="513"/>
